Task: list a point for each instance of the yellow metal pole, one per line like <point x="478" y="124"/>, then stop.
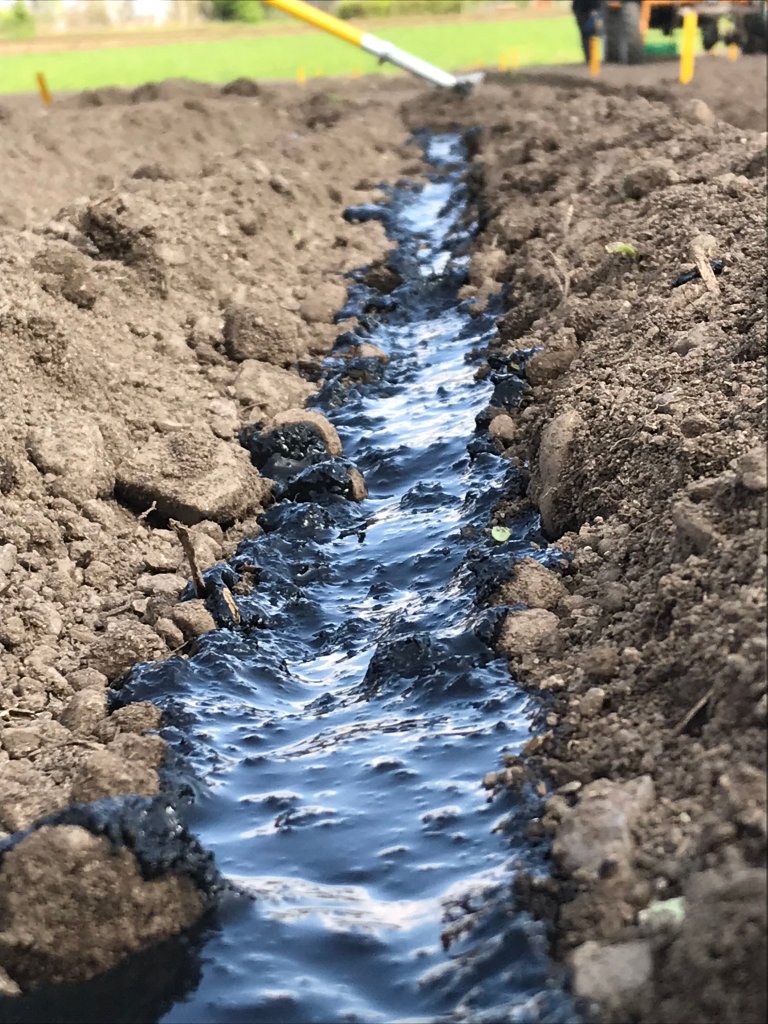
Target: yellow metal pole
<point x="594" y="56"/>
<point x="514" y="59"/>
<point x="314" y="16"/>
<point x="301" y="76"/>
<point x="733" y="51"/>
<point x="42" y="85"/>
<point x="366" y="41"/>
<point x="688" y="46"/>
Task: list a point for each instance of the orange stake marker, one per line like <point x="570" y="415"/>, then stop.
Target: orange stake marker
<point x="594" y="56"/>
<point x="42" y="85"/>
<point x="301" y="76"/>
<point x="733" y="51"/>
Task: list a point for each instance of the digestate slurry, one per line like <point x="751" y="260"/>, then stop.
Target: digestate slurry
<point x="337" y="745"/>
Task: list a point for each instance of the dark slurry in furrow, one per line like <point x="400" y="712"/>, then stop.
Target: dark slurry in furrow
<point x="339" y="738"/>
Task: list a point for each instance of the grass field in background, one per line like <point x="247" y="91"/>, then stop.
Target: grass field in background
<point x="450" y="45"/>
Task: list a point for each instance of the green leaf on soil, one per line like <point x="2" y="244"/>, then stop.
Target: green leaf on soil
<point x="663" y="912"/>
<point x="500" y="534"/>
<point x="621" y="249"/>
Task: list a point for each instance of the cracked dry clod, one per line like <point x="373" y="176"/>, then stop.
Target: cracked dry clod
<point x="71" y="906"/>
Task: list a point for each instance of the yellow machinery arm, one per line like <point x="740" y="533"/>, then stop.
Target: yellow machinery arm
<point x="366" y="41"/>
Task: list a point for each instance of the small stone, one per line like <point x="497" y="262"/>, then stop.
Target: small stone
<point x="693" y="528"/>
<point x="85" y="711"/>
<point x="323" y="426"/>
<point x="752" y="470"/>
<point x="524" y="632"/>
<point x="248" y="334"/>
<point x="104" y="774"/>
<point x="224" y="417"/>
<point x="502" y="428"/>
<point x="358" y="490"/>
<point x="74" y="906"/>
<point x="321" y="306"/>
<point x="45" y="618"/>
<point x="137" y="749"/>
<point x="557" y="355"/>
<point x="71" y="447"/>
<point x="8" y="986"/>
<point x="27" y="739"/>
<point x="531" y="584"/>
<point x="600" y="661"/>
<point x="163" y="583"/>
<point x="697" y="112"/>
<point x="365" y="350"/>
<point x="12" y="631"/>
<point x="26" y="794"/>
<point x="281" y="185"/>
<point x="8" y="558"/>
<point x="87" y="679"/>
<point x="645" y="178"/>
<point x="191" y="475"/>
<point x="269" y="389"/>
<point x="163" y="553"/>
<point x="695" y="424"/>
<point x="554" y="466"/>
<point x="193" y="618"/>
<point x="122" y="646"/>
<point x="609" y="975"/>
<point x="599" y="828"/>
<point x="592" y="702"/>
<point x="137" y="718"/>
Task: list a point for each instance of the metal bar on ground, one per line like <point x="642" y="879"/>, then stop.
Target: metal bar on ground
<point x="366" y="41"/>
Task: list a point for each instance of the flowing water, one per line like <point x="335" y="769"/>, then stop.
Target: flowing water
<point x="339" y="742"/>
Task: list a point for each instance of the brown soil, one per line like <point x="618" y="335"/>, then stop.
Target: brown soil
<point x="735" y="90"/>
<point x="171" y="257"/>
<point x="644" y="437"/>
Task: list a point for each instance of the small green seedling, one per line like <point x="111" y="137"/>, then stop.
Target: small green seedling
<point x="500" y="534"/>
<point x="621" y="249"/>
<point x="663" y="912"/>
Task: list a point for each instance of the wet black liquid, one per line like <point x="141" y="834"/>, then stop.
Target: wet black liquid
<point x="340" y="747"/>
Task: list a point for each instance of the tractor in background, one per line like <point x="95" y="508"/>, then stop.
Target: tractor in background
<point x="625" y="23"/>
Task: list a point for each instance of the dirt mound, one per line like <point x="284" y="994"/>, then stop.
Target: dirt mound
<point x="727" y="87"/>
<point x="643" y="434"/>
<point x="124" y="260"/>
<point x="162" y="281"/>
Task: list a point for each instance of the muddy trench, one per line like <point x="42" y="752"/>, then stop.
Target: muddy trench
<point x="328" y="742"/>
<point x="479" y="502"/>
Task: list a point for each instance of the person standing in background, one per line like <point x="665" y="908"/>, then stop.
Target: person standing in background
<point x="587" y="14"/>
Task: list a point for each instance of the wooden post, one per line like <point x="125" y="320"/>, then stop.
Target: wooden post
<point x="688" y="46"/>
<point x="594" y="56"/>
<point x="42" y="85"/>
